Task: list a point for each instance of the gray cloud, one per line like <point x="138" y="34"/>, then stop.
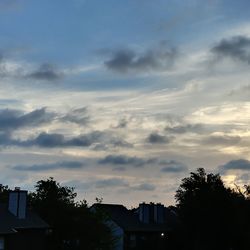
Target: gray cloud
<point x="173" y="167"/>
<point x="122" y="162"/>
<point x="241" y="93"/>
<point x="159" y="58"/>
<point x="46" y="140"/>
<point x="59" y="140"/>
<point x="50" y="166"/>
<point x="119" y="183"/>
<point x="125" y="160"/>
<point x="155" y="138"/>
<point x="121" y="124"/>
<point x="47" y="72"/>
<point x="113" y="182"/>
<point x="222" y="140"/>
<point x="82" y="185"/>
<point x="118" y="142"/>
<point x="119" y="168"/>
<point x="240" y="164"/>
<point x="78" y="116"/>
<point x="145" y="187"/>
<point x="186" y="128"/>
<point x="93" y="139"/>
<point x="11" y="119"/>
<point x="237" y="47"/>
<point x="44" y="72"/>
<point x="113" y="142"/>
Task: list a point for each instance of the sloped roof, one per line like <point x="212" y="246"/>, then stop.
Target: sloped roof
<point x="10" y="223"/>
<point x="128" y="220"/>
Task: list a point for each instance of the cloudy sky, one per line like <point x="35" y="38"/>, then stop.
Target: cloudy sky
<point x="122" y="99"/>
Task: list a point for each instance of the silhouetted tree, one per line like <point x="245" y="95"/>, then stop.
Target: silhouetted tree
<point x="208" y="211"/>
<point x="74" y="226"/>
<point x="50" y="199"/>
<point x="4" y="193"/>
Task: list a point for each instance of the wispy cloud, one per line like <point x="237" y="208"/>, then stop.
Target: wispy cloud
<point x="145" y="187"/>
<point x="79" y="116"/>
<point x="173" y="167"/>
<point x="221" y="140"/>
<point x="112" y="182"/>
<point x="125" y="160"/>
<point x="185" y="128"/>
<point x="69" y="165"/>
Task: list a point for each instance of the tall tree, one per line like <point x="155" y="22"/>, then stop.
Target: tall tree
<point x="207" y="211"/>
<point x="50" y="199"/>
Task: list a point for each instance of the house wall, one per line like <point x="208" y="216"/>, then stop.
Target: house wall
<point x="145" y="241"/>
<point x="118" y="234"/>
<point x="2" y="242"/>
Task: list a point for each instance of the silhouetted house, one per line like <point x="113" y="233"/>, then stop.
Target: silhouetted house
<point x="21" y="228"/>
<point x="147" y="227"/>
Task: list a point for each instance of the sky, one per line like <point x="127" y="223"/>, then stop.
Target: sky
<point x="123" y="99"/>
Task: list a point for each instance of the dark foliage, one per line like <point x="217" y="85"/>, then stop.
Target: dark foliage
<point x="213" y="216"/>
<point x="4" y="193"/>
<point x="74" y="226"/>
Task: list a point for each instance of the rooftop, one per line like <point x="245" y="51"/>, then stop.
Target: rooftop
<point x="128" y="220"/>
<point x="10" y="223"/>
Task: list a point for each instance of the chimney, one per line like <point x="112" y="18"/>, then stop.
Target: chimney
<point x="17" y="203"/>
<point x="159" y="213"/>
<point x="144" y="212"/>
<point x="152" y="213"/>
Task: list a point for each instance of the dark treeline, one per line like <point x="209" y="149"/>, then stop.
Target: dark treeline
<point x="212" y="215"/>
<point x="73" y="225"/>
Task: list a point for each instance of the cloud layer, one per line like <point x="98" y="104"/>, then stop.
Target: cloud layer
<point x="240" y="164"/>
<point x="125" y="160"/>
<point x="69" y="165"/>
<point x="11" y="119"/>
<point x="173" y="167"/>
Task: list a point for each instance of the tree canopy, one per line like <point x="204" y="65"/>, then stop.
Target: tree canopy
<point x="74" y="225"/>
<point x="213" y="216"/>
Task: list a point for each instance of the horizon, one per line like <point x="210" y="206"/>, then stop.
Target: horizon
<point x="100" y="200"/>
<point x="123" y="99"/>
